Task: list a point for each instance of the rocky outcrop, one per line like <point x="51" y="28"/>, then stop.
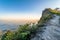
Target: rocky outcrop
<point x="48" y="26"/>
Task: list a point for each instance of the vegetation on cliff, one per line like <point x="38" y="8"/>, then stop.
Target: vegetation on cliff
<point x="46" y="15"/>
<point x="23" y="33"/>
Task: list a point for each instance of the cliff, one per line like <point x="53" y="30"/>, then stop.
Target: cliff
<point x="47" y="14"/>
<point x="48" y="25"/>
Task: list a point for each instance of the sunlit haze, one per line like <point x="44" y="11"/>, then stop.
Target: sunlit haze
<point x="25" y="11"/>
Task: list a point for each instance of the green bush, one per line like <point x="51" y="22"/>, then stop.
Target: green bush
<point x="22" y="33"/>
<point x="7" y="36"/>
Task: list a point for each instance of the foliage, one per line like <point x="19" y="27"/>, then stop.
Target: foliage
<point x="23" y="33"/>
<point x="55" y="11"/>
<point x="7" y="36"/>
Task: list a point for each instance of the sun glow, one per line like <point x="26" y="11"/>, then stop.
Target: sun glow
<point x="20" y="18"/>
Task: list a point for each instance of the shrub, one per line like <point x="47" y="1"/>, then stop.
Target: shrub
<point x="23" y="33"/>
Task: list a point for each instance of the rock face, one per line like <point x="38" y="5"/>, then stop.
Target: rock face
<point x="48" y="26"/>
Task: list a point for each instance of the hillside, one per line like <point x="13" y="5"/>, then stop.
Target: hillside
<point x="48" y="25"/>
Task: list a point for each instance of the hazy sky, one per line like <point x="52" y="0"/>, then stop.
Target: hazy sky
<point x="25" y="9"/>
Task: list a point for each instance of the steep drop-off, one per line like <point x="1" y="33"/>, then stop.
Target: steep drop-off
<point x="48" y="26"/>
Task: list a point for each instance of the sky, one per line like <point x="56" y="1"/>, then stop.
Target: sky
<point x="25" y="9"/>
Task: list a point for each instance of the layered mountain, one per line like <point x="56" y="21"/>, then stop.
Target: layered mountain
<point x="48" y="25"/>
